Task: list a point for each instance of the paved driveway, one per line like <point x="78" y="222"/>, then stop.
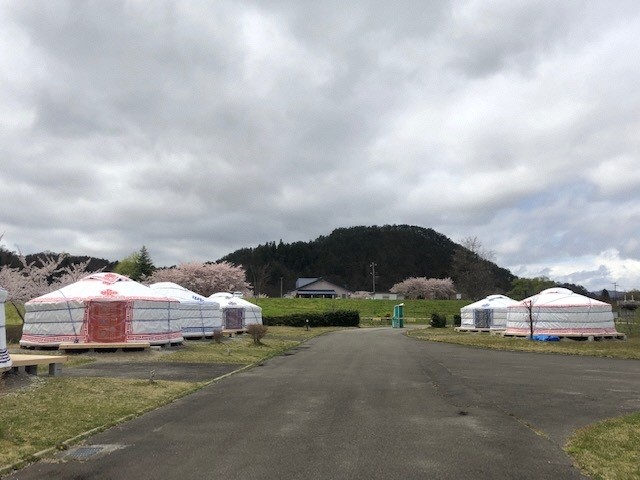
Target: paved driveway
<point x="368" y="404"/>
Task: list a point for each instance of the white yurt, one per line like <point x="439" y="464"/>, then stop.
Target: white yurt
<point x="560" y="312"/>
<point x="101" y="308"/>
<point x="199" y="316"/>
<point x="5" y="359"/>
<point x="488" y="314"/>
<point x="237" y="313"/>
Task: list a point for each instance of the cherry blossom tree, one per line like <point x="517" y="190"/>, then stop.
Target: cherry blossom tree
<point x="426" y="288"/>
<point x="204" y="278"/>
<point x="36" y="278"/>
<point x="360" y="294"/>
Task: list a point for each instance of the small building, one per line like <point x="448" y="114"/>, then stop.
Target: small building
<point x="561" y="312"/>
<point x="101" y="308"/>
<point x="317" y="288"/>
<point x="488" y="314"/>
<point x="199" y="316"/>
<point x="387" y="296"/>
<point x="237" y="313"/>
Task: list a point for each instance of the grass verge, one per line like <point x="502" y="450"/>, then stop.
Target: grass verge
<point x="241" y="350"/>
<point x="52" y="410"/>
<point x="629" y="348"/>
<point x="44" y="416"/>
<point x="609" y="450"/>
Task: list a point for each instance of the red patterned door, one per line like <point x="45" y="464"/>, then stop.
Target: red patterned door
<point x="107" y="321"/>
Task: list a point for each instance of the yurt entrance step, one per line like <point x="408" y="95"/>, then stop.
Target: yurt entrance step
<point x="95" y="346"/>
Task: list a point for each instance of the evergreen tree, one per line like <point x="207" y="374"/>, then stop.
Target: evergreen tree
<point x="145" y="267"/>
<point x="136" y="266"/>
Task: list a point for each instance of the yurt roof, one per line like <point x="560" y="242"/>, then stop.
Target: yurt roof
<point x="109" y="285"/>
<point x="226" y="299"/>
<point x="173" y="290"/>
<point x="492" y="301"/>
<point x="560" y="297"/>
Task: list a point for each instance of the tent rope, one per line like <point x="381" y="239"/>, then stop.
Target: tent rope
<point x="73" y="325"/>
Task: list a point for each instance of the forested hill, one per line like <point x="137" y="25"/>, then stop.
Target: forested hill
<point x="345" y="256"/>
<point x="11" y="259"/>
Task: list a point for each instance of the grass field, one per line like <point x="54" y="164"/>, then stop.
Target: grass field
<point x="609" y="450"/>
<point x="629" y="348"/>
<point x="414" y="310"/>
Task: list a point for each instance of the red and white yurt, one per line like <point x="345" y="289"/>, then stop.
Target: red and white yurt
<point x="488" y="314"/>
<point x="237" y="313"/>
<point x="101" y="308"/>
<point x="5" y="359"/>
<point x="560" y="312"/>
<point x="199" y="316"/>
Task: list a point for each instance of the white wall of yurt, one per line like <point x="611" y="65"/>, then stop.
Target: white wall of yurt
<point x="101" y="308"/>
<point x="237" y="313"/>
<point x="562" y="312"/>
<point x="490" y="313"/>
<point x="199" y="316"/>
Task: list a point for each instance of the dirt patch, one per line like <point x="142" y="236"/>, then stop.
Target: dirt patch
<point x="11" y="382"/>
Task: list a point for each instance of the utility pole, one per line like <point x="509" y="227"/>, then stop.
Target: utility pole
<point x="373" y="276"/>
<point x="280" y="287"/>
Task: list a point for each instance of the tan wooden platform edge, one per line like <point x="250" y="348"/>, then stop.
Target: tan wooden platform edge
<point x="31" y="362"/>
<point x="106" y="345"/>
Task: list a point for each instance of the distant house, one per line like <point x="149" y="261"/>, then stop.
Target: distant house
<point x="387" y="296"/>
<point x="317" y="288"/>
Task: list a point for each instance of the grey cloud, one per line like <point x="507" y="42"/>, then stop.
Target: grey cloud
<point x="196" y="129"/>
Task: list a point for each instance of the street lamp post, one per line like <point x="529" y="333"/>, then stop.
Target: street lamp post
<point x="373" y="276"/>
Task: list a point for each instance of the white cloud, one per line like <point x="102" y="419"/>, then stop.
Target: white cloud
<point x="196" y="129"/>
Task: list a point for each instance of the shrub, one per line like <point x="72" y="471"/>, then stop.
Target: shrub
<point x="257" y="332"/>
<point x="339" y="318"/>
<point x="217" y="336"/>
<point x="438" y="321"/>
<point x="14" y="333"/>
<point x="457" y="320"/>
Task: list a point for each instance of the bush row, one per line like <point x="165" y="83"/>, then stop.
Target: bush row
<point x="339" y="318"/>
<point x="440" y="321"/>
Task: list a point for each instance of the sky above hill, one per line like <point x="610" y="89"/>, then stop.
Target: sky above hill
<point x="197" y="128"/>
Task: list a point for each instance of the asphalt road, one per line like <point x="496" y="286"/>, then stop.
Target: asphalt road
<point x="367" y="404"/>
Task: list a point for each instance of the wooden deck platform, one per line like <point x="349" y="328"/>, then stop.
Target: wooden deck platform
<point x="77" y="347"/>
<point x="31" y="362"/>
<point x="472" y="330"/>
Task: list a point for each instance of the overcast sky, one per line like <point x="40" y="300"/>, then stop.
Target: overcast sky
<point x="197" y="128"/>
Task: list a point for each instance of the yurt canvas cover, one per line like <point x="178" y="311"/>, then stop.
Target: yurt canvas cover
<point x="489" y="313"/>
<point x="101" y="308"/>
<point x="559" y="311"/>
<point x="237" y="313"/>
<point x="5" y="359"/>
<point x="199" y="316"/>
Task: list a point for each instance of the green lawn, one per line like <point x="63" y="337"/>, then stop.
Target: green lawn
<point x="418" y="311"/>
<point x="629" y="348"/>
<point x="609" y="450"/>
<point x="11" y="316"/>
<point x="60" y="408"/>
